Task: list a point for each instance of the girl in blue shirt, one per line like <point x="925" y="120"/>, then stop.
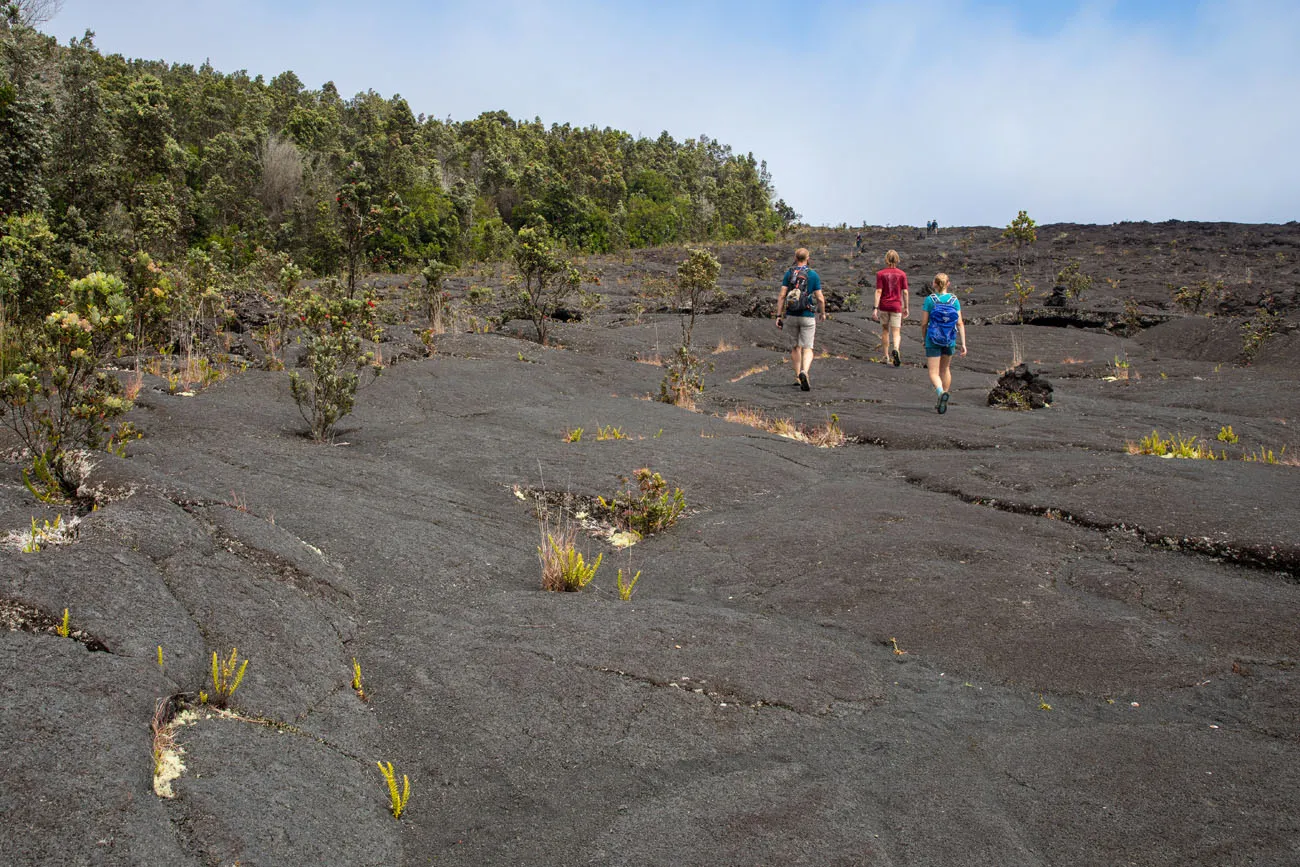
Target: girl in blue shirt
<point x="938" y="355"/>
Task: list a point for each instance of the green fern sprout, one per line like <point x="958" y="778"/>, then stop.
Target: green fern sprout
<point x="573" y="436"/>
<point x="33" y="543"/>
<point x="1264" y="456"/>
<point x="397" y="800"/>
<point x="356" y="680"/>
<point x="160" y="658"/>
<point x="225" y="679"/>
<point x="43" y="481"/>
<point x="64" y="629"/>
<point x="625" y="589"/>
<point x="1176" y="446"/>
<point x="1228" y="435"/>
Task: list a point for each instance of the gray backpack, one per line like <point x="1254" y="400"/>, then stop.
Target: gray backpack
<point x="797" y="298"/>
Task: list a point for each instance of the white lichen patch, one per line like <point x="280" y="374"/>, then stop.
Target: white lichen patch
<point x="168" y="765"/>
<point x="624" y="538"/>
<point x="38" y="536"/>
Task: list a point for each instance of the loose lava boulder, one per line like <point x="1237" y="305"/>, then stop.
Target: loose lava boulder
<point x="1021" y="388"/>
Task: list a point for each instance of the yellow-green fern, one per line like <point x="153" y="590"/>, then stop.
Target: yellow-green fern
<point x="356" y="680"/>
<point x="625" y="590"/>
<point x="225" y="677"/>
<point x="397" y="799"/>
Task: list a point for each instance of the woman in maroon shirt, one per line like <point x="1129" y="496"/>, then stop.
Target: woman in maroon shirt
<point x="891" y="300"/>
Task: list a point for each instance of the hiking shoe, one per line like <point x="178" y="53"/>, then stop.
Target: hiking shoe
<point x="803" y="382"/>
<point x="898" y="359"/>
<point x="942" y="406"/>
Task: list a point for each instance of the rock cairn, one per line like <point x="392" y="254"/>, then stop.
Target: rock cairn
<point x="1021" y="388"/>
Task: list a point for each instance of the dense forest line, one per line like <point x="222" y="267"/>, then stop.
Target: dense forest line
<point x="141" y="203"/>
<point x="102" y="157"/>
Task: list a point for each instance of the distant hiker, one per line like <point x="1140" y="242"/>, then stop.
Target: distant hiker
<point x="891" y="307"/>
<point x="935" y="223"/>
<point x="942" y="325"/>
<point x="857" y="243"/>
<point x="803" y="306"/>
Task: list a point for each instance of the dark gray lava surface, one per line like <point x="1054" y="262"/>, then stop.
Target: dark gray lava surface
<point x="988" y="637"/>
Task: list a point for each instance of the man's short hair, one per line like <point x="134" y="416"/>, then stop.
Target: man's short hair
<point x="801" y="255"/>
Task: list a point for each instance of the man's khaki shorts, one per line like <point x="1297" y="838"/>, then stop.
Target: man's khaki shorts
<point x="801" y="328"/>
<point x="893" y="320"/>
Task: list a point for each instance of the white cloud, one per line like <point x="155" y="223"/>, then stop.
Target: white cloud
<point x="886" y="111"/>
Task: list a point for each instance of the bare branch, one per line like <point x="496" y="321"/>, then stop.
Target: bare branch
<point x="33" y="13"/>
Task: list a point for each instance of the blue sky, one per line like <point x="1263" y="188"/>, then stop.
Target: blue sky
<point x="896" y="112"/>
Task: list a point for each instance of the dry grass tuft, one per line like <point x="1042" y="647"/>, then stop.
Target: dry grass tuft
<point x="563" y="566"/>
<point x="655" y="360"/>
<point x="724" y="346"/>
<point x="785" y="427"/>
<point x="829" y="435"/>
<point x="758" y="368"/>
<point x="747" y="416"/>
<point x="131" y="390"/>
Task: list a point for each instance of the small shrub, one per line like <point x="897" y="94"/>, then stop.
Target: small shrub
<point x="433" y="300"/>
<point x="1020" y="292"/>
<point x="1131" y="319"/>
<point x="648" y="507"/>
<point x="563" y="566"/>
<point x="573" y="436"/>
<point x="1190" y="298"/>
<point x="57" y="397"/>
<point x="547" y="280"/>
<point x="684" y="380"/>
<point x="1227" y="435"/>
<point x="697" y="280"/>
<point x="334" y="327"/>
<point x="1257" y="332"/>
<point x="479" y="296"/>
<point x="609" y="432"/>
<point x="396" y="798"/>
<point x="1071" y="277"/>
<point x="1021" y="233"/>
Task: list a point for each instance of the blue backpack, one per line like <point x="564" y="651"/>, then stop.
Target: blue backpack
<point x="942" y="330"/>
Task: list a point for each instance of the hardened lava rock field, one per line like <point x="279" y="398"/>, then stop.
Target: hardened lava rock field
<point x="991" y="637"/>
